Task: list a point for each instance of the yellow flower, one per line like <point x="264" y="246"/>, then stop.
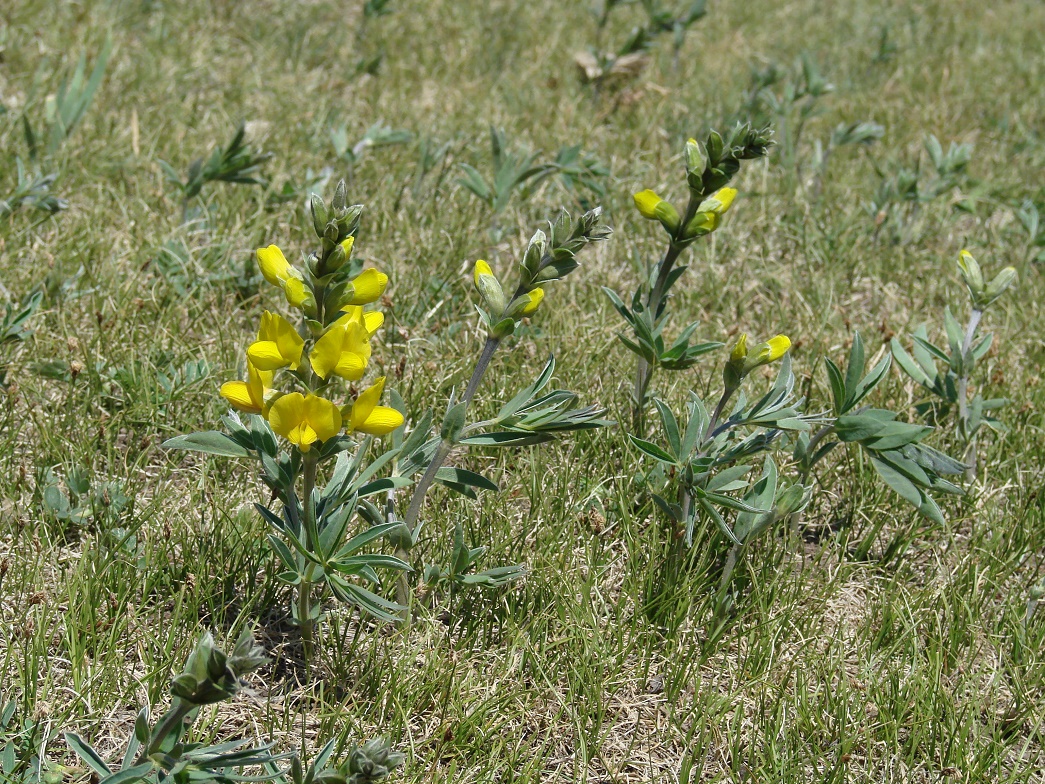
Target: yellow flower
<point x="526" y="304"/>
<point x="741" y="361"/>
<point x="773" y="349"/>
<point x="368" y="417"/>
<point x="718" y="202"/>
<point x="652" y="207"/>
<point x="489" y="289"/>
<point x="739" y="352"/>
<point x="278" y="344"/>
<point x="274" y="265"/>
<point x="647" y="202"/>
<point x="344" y="349"/>
<point x="365" y="288"/>
<point x="249" y="395"/>
<point x="282" y="274"/>
<point x="481" y="268"/>
<point x="303" y="420"/>
<point x="370" y="319"/>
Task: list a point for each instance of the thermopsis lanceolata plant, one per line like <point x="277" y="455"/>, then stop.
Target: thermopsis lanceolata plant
<point x="709" y="168"/>
<point x="292" y="390"/>
<point x="949" y="388"/>
<point x="161" y="751"/>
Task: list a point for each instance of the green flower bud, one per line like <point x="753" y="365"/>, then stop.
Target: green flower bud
<point x="319" y="214"/>
<point x="999" y="284"/>
<point x="489" y="288"/>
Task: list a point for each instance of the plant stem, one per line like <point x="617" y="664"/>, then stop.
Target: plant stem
<point x="643" y="373"/>
<point x="309" y="462"/>
<point x="727" y="393"/>
<point x="969" y="458"/>
<point x="413" y="512"/>
<point x="171" y="719"/>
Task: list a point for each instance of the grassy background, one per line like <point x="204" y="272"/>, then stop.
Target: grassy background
<point x="912" y="663"/>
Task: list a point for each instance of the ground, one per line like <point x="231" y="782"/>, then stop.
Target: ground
<point x="874" y="647"/>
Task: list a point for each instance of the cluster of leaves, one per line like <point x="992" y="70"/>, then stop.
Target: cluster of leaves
<point x="82" y="503"/>
<point x="14" y="327"/>
<point x="23" y="749"/>
<point x="904" y="187"/>
<point x="519" y="172"/>
<point x="377" y="135"/>
<point x="787" y="99"/>
<point x="711" y="457"/>
<point x="627" y="61"/>
<point x="237" y="162"/>
<point x="948" y="382"/>
<point x="66" y="107"/>
<point x="32" y="191"/>
<point x="161" y="751"/>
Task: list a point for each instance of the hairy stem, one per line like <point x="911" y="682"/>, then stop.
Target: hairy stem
<point x="969" y="458"/>
<point x="309" y="462"/>
<point x="413" y="512"/>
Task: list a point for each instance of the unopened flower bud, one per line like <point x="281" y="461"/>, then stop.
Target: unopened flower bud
<point x="526" y="304"/>
<point x="695" y="159"/>
<point x="489" y="289"/>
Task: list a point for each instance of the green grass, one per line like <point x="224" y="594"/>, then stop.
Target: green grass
<point x="878" y="649"/>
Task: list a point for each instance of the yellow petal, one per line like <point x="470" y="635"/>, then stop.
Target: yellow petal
<point x="346" y="246"/>
<point x="777" y="346"/>
<point x="366" y="403"/>
<point x="372" y="321"/>
<point x="647" y="202"/>
<point x="367" y="287"/>
<point x="739" y="351"/>
<point x="535" y="297"/>
<point x="274" y="265"/>
<point x="724" y="197"/>
<point x="286" y="415"/>
<point x="481" y="268"/>
<point x="296" y="292"/>
<point x="265" y="355"/>
<point x="238" y="393"/>
<point x="382" y="421"/>
<point x="326" y="352"/>
<point x="323" y="417"/>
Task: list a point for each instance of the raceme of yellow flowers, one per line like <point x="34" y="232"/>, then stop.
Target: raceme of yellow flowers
<point x="307" y="359"/>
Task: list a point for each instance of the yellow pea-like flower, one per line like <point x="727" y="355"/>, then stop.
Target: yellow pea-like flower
<point x="304" y="419"/>
<point x="248" y="396"/>
<point x="718" y="202"/>
<point x="652" y="207"/>
<point x="647" y="202"/>
<point x="278" y="344"/>
<point x="742" y="360"/>
<point x="526" y="304"/>
<point x="344" y="350"/>
<point x="370" y="319"/>
<point x="282" y="274"/>
<point x="366" y="287"/>
<point x="773" y="349"/>
<point x="366" y="416"/>
<point x="274" y="265"/>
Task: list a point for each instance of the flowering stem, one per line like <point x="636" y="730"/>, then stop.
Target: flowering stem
<point x="442" y="451"/>
<point x="644" y="372"/>
<point x="727" y="393"/>
<point x="309" y="462"/>
<point x="963" y="393"/>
